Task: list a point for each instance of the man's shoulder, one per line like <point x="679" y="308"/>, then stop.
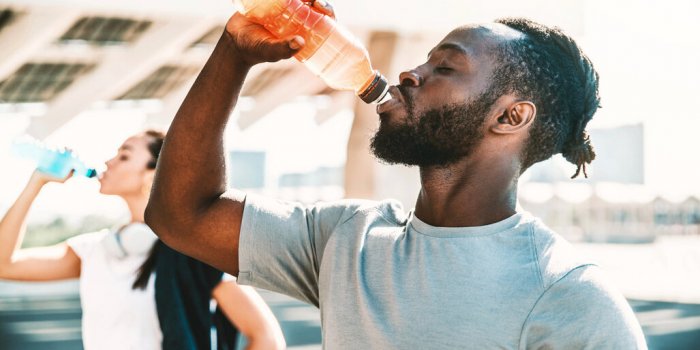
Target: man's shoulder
<point x="325" y="215"/>
<point x="389" y="210"/>
<point x="556" y="257"/>
<point x="582" y="309"/>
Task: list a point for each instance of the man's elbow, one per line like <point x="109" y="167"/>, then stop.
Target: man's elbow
<point x="170" y="227"/>
<point x="156" y="218"/>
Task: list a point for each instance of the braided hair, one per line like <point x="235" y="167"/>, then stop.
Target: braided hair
<point x="546" y="67"/>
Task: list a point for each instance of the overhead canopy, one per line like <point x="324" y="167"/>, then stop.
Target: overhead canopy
<point x="72" y="55"/>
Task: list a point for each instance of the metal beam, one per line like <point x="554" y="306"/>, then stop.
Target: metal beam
<point x="170" y="106"/>
<point x="171" y="103"/>
<point x="120" y="69"/>
<point x="31" y="32"/>
<point x="406" y="16"/>
<point x="299" y="82"/>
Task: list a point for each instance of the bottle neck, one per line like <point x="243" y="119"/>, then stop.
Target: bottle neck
<point x="375" y="89"/>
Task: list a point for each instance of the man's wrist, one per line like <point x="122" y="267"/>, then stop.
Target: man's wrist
<point x="233" y="52"/>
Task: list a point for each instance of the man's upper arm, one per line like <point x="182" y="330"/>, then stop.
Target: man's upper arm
<point x="208" y="233"/>
<point x="212" y="236"/>
<point x="582" y="311"/>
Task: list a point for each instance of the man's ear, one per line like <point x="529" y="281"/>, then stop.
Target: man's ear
<point x="518" y="116"/>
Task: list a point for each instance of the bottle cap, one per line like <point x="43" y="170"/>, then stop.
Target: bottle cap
<point x="376" y="89"/>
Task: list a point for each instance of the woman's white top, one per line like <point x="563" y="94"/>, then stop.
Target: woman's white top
<point x="116" y="316"/>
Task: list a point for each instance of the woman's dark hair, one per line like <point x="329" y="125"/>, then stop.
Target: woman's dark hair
<point x="155" y="143"/>
<point x="546" y="67"/>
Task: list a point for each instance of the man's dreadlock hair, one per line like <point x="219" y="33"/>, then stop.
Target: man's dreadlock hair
<point x="549" y="69"/>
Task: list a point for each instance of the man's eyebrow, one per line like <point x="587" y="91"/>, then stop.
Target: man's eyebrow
<point x="125" y="148"/>
<point x="449" y="46"/>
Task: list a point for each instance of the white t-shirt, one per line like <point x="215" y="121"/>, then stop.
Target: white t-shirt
<point x="115" y="316"/>
<point x="387" y="280"/>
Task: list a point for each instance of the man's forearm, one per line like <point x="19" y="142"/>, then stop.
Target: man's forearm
<point x="191" y="171"/>
<point x="188" y="208"/>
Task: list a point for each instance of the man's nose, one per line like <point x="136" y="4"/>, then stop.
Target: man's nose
<point x="410" y="78"/>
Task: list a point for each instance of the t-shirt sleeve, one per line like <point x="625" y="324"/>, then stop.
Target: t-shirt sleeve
<point x="84" y="244"/>
<point x="281" y="245"/>
<point x="582" y="311"/>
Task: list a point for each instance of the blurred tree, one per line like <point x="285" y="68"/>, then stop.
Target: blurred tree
<point x="58" y="230"/>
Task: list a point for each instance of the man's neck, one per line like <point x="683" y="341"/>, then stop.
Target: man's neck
<point x="468" y="193"/>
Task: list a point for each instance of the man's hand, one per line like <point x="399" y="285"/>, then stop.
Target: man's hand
<point x="254" y="44"/>
<point x="323" y="7"/>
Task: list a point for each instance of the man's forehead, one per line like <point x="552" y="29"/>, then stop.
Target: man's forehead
<point x="479" y="36"/>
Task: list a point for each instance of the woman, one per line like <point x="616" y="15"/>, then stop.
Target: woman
<point x="124" y="306"/>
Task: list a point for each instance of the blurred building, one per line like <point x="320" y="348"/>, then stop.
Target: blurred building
<point x="613" y="204"/>
<point x="619" y="158"/>
<point x="610" y="212"/>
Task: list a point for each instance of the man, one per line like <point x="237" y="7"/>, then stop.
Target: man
<point x="464" y="269"/>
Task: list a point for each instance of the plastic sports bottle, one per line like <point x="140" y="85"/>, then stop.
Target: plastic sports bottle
<point x="50" y="160"/>
<point x="331" y="51"/>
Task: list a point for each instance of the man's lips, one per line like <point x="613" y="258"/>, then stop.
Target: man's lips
<point x="395" y="101"/>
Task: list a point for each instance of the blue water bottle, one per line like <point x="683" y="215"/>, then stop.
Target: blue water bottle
<point x="50" y="160"/>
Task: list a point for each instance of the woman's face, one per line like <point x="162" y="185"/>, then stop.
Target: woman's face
<point x="126" y="174"/>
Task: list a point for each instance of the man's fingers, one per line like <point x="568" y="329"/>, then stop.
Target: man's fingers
<point x="282" y="49"/>
<point x="323" y="7"/>
<point x="296" y="43"/>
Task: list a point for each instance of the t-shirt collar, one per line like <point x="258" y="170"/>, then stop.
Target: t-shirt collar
<point x="469" y="231"/>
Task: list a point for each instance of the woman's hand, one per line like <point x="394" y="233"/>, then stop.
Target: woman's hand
<point x="39" y="178"/>
<point x="34" y="264"/>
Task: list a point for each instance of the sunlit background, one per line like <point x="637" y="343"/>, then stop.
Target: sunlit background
<point x="87" y="74"/>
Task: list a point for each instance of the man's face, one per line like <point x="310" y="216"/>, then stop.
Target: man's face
<point x="437" y="113"/>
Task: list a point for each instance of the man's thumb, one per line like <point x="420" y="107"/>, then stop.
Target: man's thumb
<point x="283" y="49"/>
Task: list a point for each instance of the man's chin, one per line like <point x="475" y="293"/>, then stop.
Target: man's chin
<point x="391" y="119"/>
<point x="394" y="154"/>
<point x="394" y="161"/>
<point x="409" y="156"/>
<point x="421" y="163"/>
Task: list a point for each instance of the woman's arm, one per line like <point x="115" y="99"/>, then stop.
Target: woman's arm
<point x="36" y="264"/>
<point x="244" y="307"/>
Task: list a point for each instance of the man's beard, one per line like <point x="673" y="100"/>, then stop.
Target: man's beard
<point x="435" y="138"/>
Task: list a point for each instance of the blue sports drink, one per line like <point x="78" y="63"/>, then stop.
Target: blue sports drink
<point x="50" y="160"/>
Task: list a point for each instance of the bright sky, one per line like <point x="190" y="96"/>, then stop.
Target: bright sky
<point x="647" y="54"/>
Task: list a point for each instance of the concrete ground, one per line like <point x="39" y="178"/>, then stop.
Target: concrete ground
<point x="659" y="279"/>
<point x="53" y="322"/>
